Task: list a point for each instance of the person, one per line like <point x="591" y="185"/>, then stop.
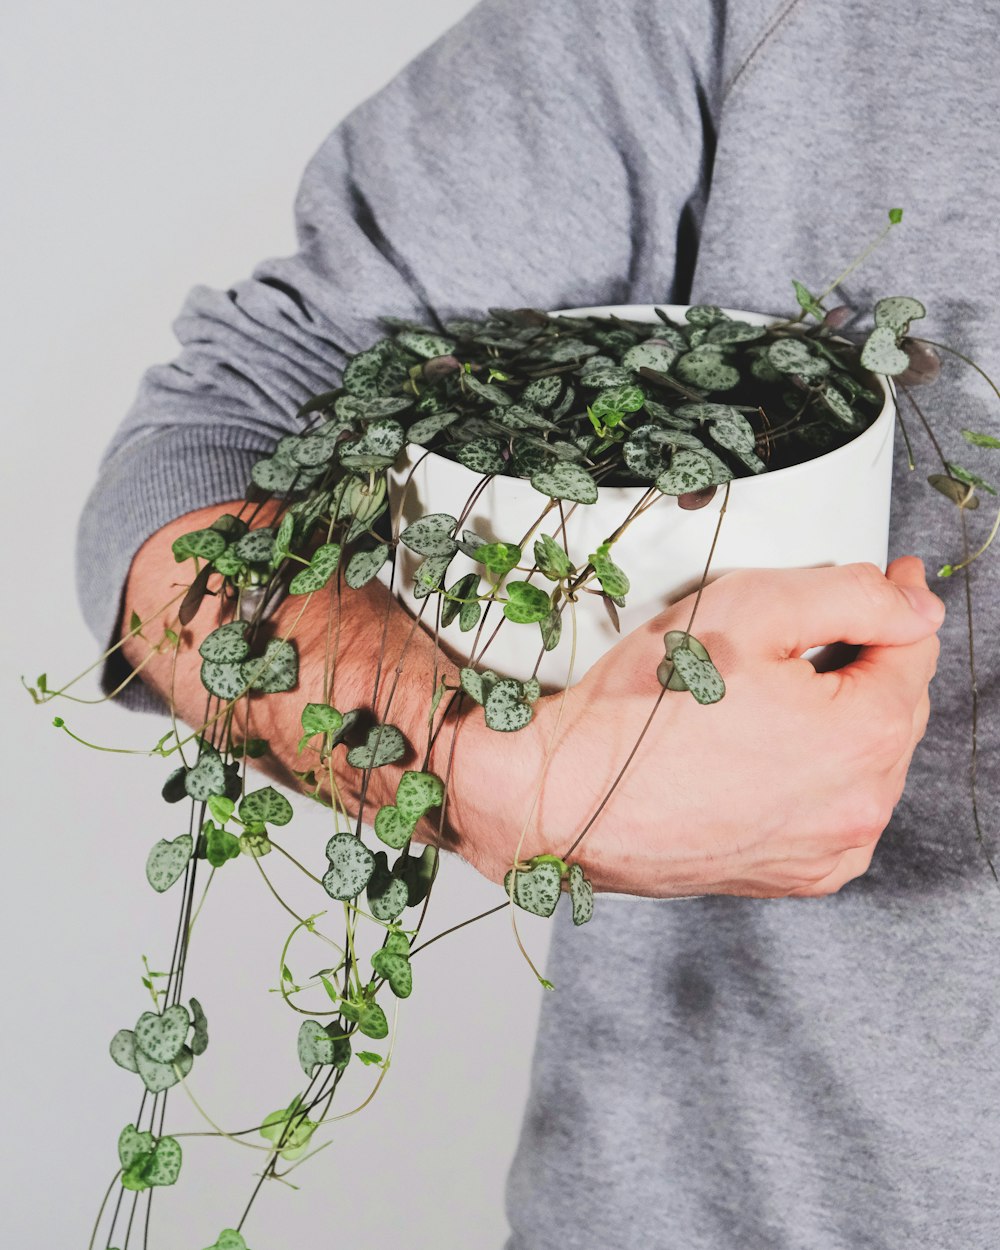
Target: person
<point x="807" y="1056"/>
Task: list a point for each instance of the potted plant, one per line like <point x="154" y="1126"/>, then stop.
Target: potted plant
<point x="527" y="483"/>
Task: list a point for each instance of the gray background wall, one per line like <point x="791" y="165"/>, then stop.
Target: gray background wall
<point x="147" y="147"/>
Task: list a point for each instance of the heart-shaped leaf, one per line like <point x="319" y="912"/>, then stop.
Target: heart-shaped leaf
<point x="419" y="874"/>
<point x="290" y="1127"/>
<point x="315" y="1046"/>
<point x="161" y="1037"/>
<point x="673" y="639"/>
<point x="226" y="681"/>
<point x="372" y="1021"/>
<point x="658" y="356"/>
<point x="839" y="408"/>
<point x="566" y="481"/>
<point x="505" y="709"/>
<point x="417" y="793"/>
<point x="429" y="575"/>
<point x="351" y="867"/>
<point x="377" y="448"/>
<point x="276" y="670"/>
<point x="132" y="1144"/>
<point x="387" y="894"/>
<point x="426" y="345"/>
<point x="395" y="968"/>
<point x="543" y="392"/>
<point x="363" y="566"/>
<point x="392" y="828"/>
<point x="431" y="535"/>
<point x="274" y="477"/>
<point x="321" y="718"/>
<point x="122" y="1050"/>
<point x="199" y="1039"/>
<point x="384" y="745"/>
<point x="207" y="777"/>
<point x="321" y="568"/>
<point x="793" y="356"/>
<point x="738" y="436"/>
<point x="582" y="895"/>
<point x="700" y="676"/>
<point x="229" y="1239"/>
<point x="220" y="844"/>
<point x="204" y="544"/>
<point x="158" y="1076"/>
<point x="536" y="889"/>
<point x="734" y="332"/>
<point x="256" y="547"/>
<point x="167" y="860"/>
<point x="227" y="644"/>
<point x="266" y="806"/>
<point x="689" y="471"/>
<point x="481" y="455"/>
<point x="895" y="312"/>
<point x="459" y="596"/>
<point x="165" y="1165"/>
<point x="706" y="369"/>
<point x="361" y="372"/>
<point x="881" y="354"/>
<point x="422" y="431"/>
<point x="526" y="604"/>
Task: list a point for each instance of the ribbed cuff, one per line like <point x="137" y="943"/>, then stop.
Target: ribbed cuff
<point x="142" y="487"/>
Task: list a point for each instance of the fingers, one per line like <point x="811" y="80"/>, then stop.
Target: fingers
<point x="895" y="675"/>
<point x="783" y="612"/>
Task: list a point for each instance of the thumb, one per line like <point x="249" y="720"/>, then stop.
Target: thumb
<point x="850" y="603"/>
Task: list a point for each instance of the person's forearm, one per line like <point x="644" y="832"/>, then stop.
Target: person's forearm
<point x="361" y="619"/>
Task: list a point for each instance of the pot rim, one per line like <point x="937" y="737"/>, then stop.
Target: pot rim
<point x="874" y="432"/>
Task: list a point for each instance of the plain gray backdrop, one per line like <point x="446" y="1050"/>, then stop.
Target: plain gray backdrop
<point x="146" y="148"/>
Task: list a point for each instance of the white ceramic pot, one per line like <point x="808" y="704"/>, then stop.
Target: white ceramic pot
<point x="830" y="510"/>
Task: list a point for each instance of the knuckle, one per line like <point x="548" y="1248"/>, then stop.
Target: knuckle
<point x="867" y="814"/>
<point x="872" y="584"/>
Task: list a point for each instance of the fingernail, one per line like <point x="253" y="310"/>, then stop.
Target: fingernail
<point x="925" y="603"/>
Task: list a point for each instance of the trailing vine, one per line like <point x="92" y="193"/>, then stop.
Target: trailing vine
<point x="570" y="404"/>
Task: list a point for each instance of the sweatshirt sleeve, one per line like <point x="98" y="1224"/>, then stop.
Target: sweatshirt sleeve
<point x="529" y="157"/>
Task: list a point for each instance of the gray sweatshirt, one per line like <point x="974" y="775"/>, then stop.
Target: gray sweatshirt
<point x="809" y="1074"/>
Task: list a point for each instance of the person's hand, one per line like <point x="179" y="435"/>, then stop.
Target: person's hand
<point x="781" y="788"/>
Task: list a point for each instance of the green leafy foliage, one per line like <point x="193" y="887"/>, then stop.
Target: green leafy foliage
<point x="363" y="566"/>
<point x="321" y="568"/>
<point x="276" y="670"/>
<point x="220" y="845"/>
<point x="526" y="604"/>
<point x="536" y="889"/>
<point x="167" y="861"/>
<point x="202" y="544"/>
<point x="351" y="867"/>
<point x="266" y="806"/>
<point x="290" y="1129"/>
<point x="499" y="558"/>
<point x="551" y="558"/>
<point x="228" y="1239"/>
<point x="582" y="895"/>
<point x="384" y="745"/>
<point x="431" y="535"/>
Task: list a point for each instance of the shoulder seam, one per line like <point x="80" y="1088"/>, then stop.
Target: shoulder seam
<point x="769" y="31"/>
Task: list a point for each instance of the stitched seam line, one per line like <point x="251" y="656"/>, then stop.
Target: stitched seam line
<point x="769" y="31"/>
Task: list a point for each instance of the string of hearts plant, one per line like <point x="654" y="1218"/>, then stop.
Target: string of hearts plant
<point x="570" y="403"/>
